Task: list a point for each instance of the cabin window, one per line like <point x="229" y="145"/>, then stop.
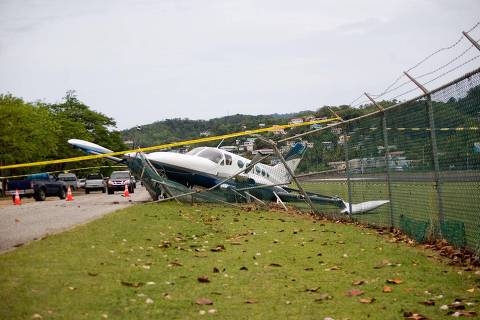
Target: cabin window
<point x="212" y="155"/>
<point x="257" y="170"/>
<point x="228" y="159"/>
<point x="240" y="163"/>
<point x="263" y="172"/>
<point x="222" y="163"/>
<point x="195" y="151"/>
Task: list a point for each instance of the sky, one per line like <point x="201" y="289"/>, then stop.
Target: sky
<point x="148" y="60"/>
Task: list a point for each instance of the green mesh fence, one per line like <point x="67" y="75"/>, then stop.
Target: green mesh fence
<point x="428" y="166"/>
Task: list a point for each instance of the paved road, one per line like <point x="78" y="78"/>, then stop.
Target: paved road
<point x="33" y="220"/>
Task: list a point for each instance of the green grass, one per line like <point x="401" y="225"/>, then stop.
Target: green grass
<point x="417" y="200"/>
<point x="78" y="274"/>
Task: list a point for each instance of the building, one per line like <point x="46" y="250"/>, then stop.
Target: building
<point x="262" y="151"/>
<point x="205" y="133"/>
<point x="296" y="121"/>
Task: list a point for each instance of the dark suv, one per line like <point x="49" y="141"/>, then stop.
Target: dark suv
<point x="118" y="180"/>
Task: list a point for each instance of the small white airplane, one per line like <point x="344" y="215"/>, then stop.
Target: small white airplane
<point x="208" y="167"/>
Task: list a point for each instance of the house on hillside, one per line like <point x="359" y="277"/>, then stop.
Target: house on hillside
<point x="296" y="121"/>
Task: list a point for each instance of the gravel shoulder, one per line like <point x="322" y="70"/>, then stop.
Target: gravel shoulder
<point x="34" y="220"/>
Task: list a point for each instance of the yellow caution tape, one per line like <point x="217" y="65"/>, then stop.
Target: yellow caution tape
<point x="167" y="145"/>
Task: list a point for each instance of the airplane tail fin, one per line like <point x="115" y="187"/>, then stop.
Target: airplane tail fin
<point x="92" y="148"/>
<point x="292" y="158"/>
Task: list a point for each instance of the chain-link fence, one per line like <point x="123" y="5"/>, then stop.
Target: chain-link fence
<point x="423" y="156"/>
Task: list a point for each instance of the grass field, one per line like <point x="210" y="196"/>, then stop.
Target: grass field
<point x="144" y="262"/>
<point x="417" y="200"/>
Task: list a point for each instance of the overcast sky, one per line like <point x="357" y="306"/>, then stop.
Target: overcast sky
<point x="148" y="60"/>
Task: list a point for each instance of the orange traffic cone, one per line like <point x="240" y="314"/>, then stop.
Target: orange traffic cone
<point x="69" y="194"/>
<point x="17" y="201"/>
<point x="126" y="194"/>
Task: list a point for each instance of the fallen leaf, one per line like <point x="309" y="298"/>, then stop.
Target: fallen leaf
<point x="204" y="301"/>
<point x="312" y="289"/>
<point x="414" y="316"/>
<point x="323" y="296"/>
<point x="216" y="270"/>
<point x="203" y="279"/>
<point x="308" y="269"/>
<point x="471" y="290"/>
<point x="274" y="265"/>
<point x="218" y="248"/>
<point x="355" y="292"/>
<point x="132" y="284"/>
<point x="92" y="274"/>
<point x="366" y="300"/>
<point x="251" y="301"/>
<point x="428" y="302"/>
<point x="387" y="289"/>
<point x="175" y="264"/>
<point x="394" y="281"/>
<point x="244" y="268"/>
<point x="358" y="282"/>
<point x="148" y="301"/>
<point x="464" y="314"/>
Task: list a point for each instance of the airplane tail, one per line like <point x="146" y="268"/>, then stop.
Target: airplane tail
<point x="292" y="158"/>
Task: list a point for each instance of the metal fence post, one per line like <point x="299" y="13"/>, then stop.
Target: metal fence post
<point x="433" y="140"/>
<point x="347" y="169"/>
<point x="387" y="157"/>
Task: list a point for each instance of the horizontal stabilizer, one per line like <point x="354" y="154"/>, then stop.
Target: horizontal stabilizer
<point x="363" y="207"/>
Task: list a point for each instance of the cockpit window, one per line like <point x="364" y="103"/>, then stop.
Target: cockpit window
<point x="211" y="154"/>
<point x="240" y="163"/>
<point x="228" y="159"/>
<point x="195" y="151"/>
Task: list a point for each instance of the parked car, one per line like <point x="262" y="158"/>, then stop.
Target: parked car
<point x="39" y="186"/>
<point x="118" y="180"/>
<point x="95" y="182"/>
<point x="70" y="179"/>
<point x="81" y="183"/>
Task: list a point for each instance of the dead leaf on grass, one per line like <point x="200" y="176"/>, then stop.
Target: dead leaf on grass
<point x="274" y="265"/>
<point x="203" y="279"/>
<point x="132" y="284"/>
<point x="428" y="302"/>
<point x="394" y="281"/>
<point x="312" y="289"/>
<point x="355" y="292"/>
<point x="414" y="316"/>
<point x="92" y="274"/>
<point x="464" y="314"/>
<point x="387" y="289"/>
<point x="251" y="301"/>
<point x="218" y="248"/>
<point x="323" y="296"/>
<point x="204" y="301"/>
<point x="244" y="268"/>
<point x="358" y="282"/>
<point x="366" y="300"/>
<point x="216" y="270"/>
